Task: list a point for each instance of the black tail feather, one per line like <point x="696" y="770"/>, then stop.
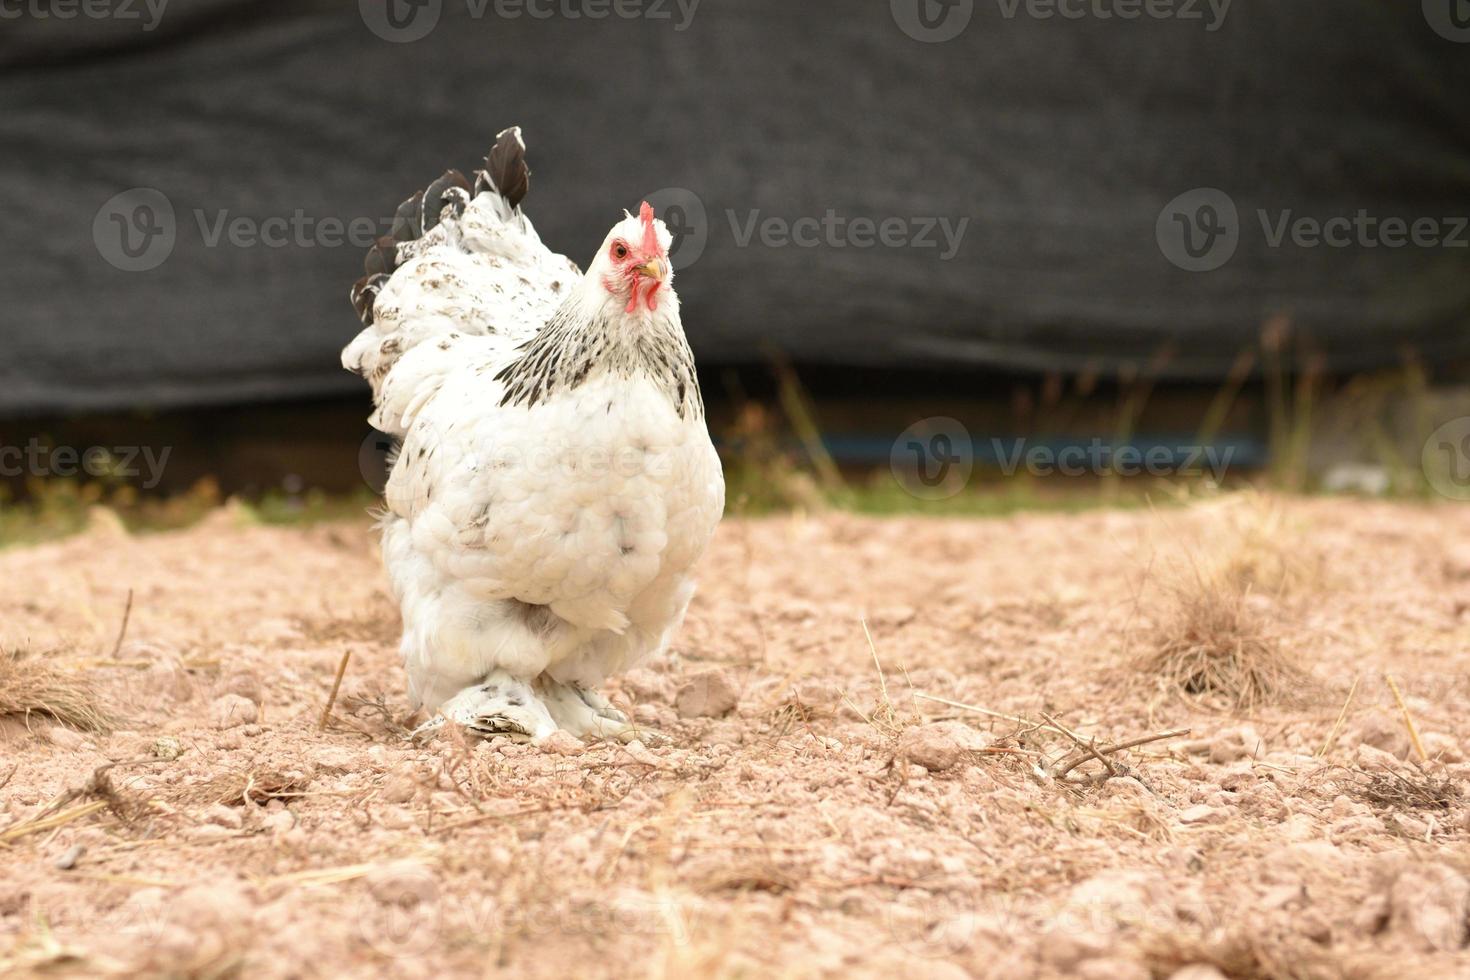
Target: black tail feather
<point x="382" y="258"/>
<point x="506" y="171"/>
<point x="408" y="222"/>
<point x="365" y="293"/>
<point x="440" y="195"/>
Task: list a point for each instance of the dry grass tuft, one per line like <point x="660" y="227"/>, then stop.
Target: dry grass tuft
<point x="100" y="792"/>
<point x="374" y="712"/>
<point x="238" y="787"/>
<point x="1410" y="790"/>
<point x="884" y="715"/>
<point x="32" y="685"/>
<point x="1215" y="646"/>
<point x="792" y="713"/>
<point x="1216" y="635"/>
<point x="1259" y="550"/>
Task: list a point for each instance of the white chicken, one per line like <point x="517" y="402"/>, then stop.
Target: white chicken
<point x="555" y="481"/>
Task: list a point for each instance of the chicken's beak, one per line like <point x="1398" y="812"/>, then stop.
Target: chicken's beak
<point x="654" y="269"/>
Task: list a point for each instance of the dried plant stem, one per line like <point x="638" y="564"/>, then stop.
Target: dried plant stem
<point x="50" y="821"/>
<point x="1131" y="743"/>
<point x="1088" y="748"/>
<point x="1341" y="717"/>
<point x="984" y="711"/>
<point x="122" y="630"/>
<point x="1408" y="718"/>
<point x="336" y="686"/>
<point x="882" y="680"/>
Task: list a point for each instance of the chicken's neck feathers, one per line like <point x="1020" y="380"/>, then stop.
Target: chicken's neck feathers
<point x="591" y="335"/>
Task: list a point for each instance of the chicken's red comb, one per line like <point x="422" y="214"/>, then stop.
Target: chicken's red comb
<point x="650" y="234"/>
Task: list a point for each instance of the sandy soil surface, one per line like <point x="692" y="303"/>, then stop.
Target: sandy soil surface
<point x="809" y="816"/>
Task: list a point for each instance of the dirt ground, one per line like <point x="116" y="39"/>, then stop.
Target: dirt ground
<point x="811" y="814"/>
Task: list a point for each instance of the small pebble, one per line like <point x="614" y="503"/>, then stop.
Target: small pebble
<point x="224" y="816"/>
<point x="941" y="745"/>
<point x="231" y="711"/>
<point x="279" y="822"/>
<point x="399" y="788"/>
<point x="1203" y="814"/>
<point x="711" y="694"/>
<point x="562" y="743"/>
<point x="65" y="738"/>
<point x="166" y="747"/>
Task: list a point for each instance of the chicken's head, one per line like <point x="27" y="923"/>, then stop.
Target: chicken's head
<point x="633" y="264"/>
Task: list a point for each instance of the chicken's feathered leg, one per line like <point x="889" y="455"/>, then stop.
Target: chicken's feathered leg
<point x="500" y="704"/>
<point x="587" y="714"/>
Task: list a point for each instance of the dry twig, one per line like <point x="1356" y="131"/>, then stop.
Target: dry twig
<point x="336" y="686"/>
<point x="122" y="630"/>
<point x="1408" y="718"/>
<point x="1341" y="717"/>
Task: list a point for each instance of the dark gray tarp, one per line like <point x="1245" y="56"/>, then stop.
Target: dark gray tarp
<point x="1061" y="139"/>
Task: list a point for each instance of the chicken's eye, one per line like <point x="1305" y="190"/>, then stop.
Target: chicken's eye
<point x="620" y="251"/>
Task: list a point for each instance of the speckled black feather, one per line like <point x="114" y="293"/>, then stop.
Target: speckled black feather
<point x="569" y="350"/>
<point x="506" y="170"/>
